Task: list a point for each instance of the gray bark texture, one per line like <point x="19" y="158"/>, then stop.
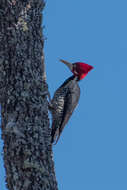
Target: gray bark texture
<point x="23" y="97"/>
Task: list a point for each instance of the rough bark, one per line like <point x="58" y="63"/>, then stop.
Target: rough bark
<point x="23" y="96"/>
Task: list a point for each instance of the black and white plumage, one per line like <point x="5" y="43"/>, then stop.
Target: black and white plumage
<point x="62" y="105"/>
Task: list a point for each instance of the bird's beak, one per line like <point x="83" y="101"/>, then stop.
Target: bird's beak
<point x="69" y="65"/>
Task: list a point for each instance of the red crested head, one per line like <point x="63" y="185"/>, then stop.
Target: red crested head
<point x="79" y="69"/>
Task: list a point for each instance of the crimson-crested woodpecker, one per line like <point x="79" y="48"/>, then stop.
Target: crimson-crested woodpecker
<point x="66" y="98"/>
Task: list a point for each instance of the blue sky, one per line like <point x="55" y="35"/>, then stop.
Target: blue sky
<point x="91" y="153"/>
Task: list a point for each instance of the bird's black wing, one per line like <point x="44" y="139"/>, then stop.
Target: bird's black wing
<point x="71" y="101"/>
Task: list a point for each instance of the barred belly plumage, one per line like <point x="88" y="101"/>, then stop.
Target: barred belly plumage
<point x="63" y="104"/>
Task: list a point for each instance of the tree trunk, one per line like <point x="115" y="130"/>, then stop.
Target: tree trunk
<point x="23" y="96"/>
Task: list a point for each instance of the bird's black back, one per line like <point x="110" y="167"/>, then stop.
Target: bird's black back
<point x="64" y="102"/>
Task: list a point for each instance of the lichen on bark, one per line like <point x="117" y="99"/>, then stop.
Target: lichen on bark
<point x="23" y="97"/>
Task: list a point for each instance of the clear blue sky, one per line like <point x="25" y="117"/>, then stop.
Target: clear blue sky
<point x="91" y="153"/>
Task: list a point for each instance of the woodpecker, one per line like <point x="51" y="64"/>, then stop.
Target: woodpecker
<point x="66" y="98"/>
